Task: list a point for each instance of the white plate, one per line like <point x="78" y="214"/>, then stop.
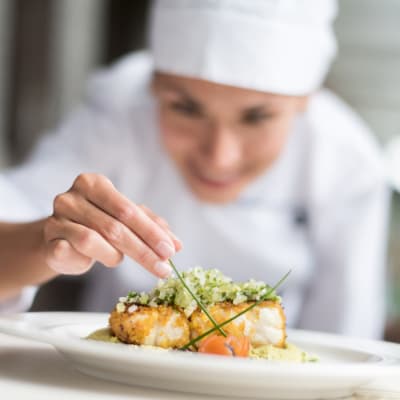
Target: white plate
<point x="345" y="364"/>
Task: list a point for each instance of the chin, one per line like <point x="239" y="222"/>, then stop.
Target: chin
<point x="215" y="199"/>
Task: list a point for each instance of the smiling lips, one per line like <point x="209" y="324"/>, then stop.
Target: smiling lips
<point x="217" y="183"/>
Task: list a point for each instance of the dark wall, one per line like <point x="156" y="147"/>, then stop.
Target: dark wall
<point x="29" y="108"/>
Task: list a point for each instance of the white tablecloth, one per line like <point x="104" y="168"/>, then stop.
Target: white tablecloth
<point x="30" y="371"/>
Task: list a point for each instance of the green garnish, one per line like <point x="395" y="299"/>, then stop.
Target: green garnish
<point x="210" y="286"/>
<point x="195" y="340"/>
<point x="199" y="303"/>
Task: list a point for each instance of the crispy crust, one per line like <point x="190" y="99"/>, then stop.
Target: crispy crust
<point x="161" y="326"/>
<point x="168" y="327"/>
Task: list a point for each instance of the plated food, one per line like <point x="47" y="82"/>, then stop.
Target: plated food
<point x="204" y="311"/>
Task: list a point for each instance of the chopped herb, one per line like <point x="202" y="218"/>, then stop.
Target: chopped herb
<point x="209" y="286"/>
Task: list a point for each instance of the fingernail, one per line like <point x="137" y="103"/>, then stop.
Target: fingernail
<point x="162" y="269"/>
<point x="174" y="237"/>
<point x="177" y="242"/>
<point x="165" y="250"/>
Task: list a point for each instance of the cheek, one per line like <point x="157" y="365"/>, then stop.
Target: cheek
<point x="177" y="141"/>
<point x="269" y="145"/>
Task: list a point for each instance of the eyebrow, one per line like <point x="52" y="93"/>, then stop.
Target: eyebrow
<point x="256" y="108"/>
<point x="182" y="92"/>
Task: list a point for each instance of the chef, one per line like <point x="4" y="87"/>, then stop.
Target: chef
<point x="217" y="147"/>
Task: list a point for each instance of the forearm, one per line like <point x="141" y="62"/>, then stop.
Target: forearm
<point x="22" y="257"/>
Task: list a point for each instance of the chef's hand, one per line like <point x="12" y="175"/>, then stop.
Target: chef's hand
<point x="92" y="221"/>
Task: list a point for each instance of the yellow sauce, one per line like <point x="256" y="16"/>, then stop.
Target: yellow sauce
<point x="288" y="353"/>
<point x="103" y="335"/>
<point x="268" y="352"/>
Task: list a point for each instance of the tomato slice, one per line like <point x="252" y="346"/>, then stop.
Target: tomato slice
<point x="231" y="345"/>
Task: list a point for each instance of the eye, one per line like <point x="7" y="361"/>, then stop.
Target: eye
<point x="186" y="108"/>
<point x="255" y="117"/>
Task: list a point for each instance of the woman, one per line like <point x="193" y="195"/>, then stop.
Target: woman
<point x="222" y="130"/>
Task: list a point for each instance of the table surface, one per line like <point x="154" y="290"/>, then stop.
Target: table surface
<point x="31" y="370"/>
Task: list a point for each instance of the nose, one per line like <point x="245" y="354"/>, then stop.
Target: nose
<point x="223" y="148"/>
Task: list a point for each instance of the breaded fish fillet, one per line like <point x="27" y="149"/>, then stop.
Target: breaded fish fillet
<point x="167" y="327"/>
<point x="264" y="324"/>
<point x="161" y="326"/>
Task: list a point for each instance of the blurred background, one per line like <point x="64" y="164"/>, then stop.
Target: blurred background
<point x="49" y="47"/>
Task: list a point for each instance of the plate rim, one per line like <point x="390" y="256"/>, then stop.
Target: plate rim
<point x="60" y="319"/>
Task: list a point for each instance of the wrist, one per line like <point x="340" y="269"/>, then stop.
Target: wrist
<point x="39" y="246"/>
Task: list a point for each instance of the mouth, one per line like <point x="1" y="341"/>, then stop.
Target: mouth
<point x="217" y="182"/>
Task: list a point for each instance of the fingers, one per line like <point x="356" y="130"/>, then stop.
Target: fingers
<point x="157" y="219"/>
<point x="62" y="258"/>
<point x="108" y="199"/>
<point x="114" y="233"/>
<point x="84" y="241"/>
<point x="164" y="224"/>
<point x="93" y="221"/>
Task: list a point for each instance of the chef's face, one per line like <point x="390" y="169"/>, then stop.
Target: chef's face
<point x="221" y="137"/>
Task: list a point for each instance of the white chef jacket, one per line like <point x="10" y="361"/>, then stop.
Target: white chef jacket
<point x="320" y="210"/>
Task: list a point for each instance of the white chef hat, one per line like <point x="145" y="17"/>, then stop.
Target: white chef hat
<point x="277" y="46"/>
